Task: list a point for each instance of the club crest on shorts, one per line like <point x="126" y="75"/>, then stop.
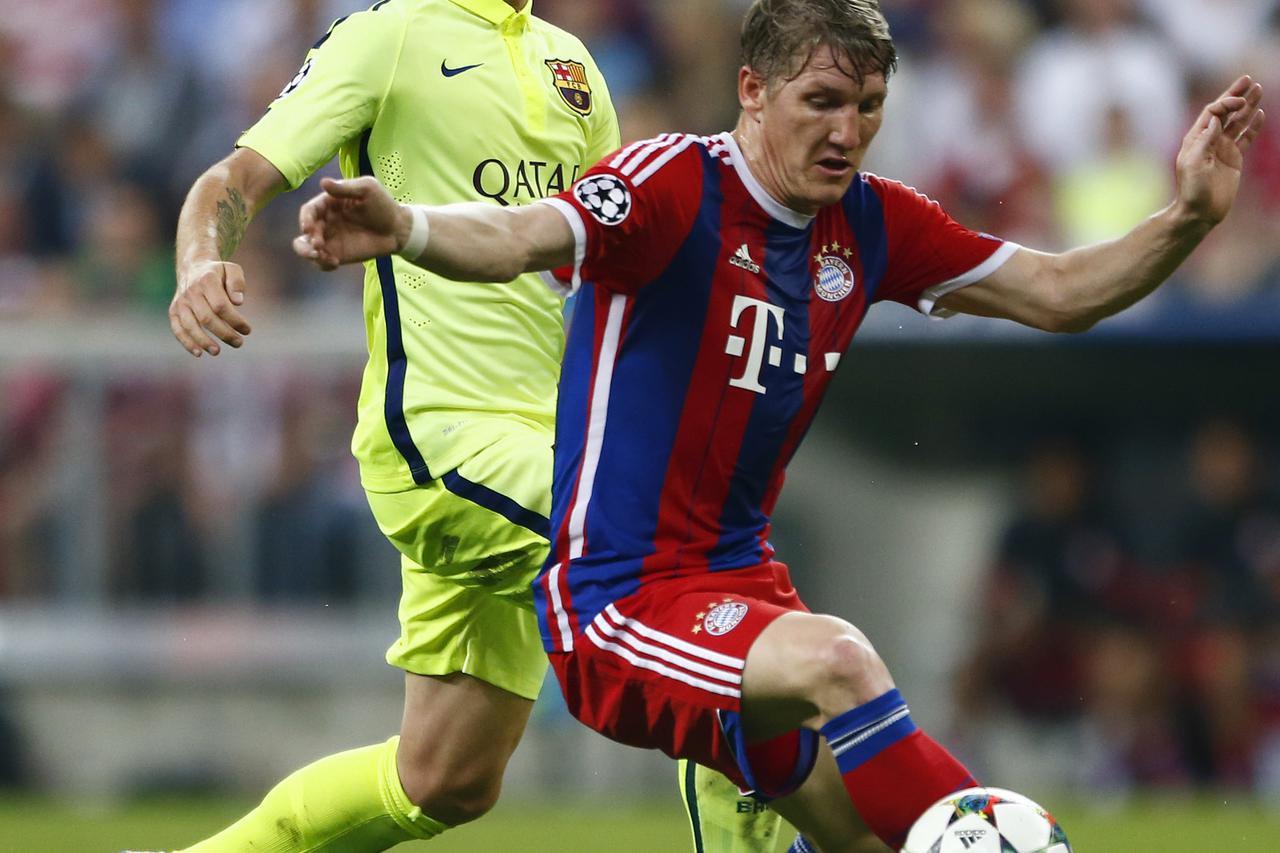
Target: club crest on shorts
<point x="723" y="618"/>
<point x="835" y="279"/>
<point x="570" y="79"/>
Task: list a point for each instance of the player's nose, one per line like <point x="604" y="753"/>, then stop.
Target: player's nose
<point x="845" y="133"/>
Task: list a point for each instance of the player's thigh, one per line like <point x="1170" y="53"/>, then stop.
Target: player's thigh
<point x="662" y="669"/>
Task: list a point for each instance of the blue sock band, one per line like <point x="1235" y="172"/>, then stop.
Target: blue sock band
<point x="861" y="734"/>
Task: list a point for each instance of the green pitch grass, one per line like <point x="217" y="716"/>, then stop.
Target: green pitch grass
<point x="30" y="825"/>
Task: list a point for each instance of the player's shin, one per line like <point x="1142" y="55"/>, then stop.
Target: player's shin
<point x="351" y="802"/>
<point x="892" y="770"/>
<point x="723" y="819"/>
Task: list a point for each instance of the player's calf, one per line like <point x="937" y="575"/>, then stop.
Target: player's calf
<point x="457" y="736"/>
<point x="453" y="797"/>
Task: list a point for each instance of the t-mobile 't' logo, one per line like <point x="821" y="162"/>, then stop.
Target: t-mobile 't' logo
<point x="765" y="316"/>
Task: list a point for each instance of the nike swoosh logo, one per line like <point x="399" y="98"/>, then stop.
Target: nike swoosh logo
<point x="453" y="72"/>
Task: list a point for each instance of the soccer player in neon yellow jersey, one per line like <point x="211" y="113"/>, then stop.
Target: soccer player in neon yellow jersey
<point x="444" y="101"/>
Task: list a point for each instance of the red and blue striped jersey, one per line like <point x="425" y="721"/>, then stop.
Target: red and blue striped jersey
<point x="709" y="322"/>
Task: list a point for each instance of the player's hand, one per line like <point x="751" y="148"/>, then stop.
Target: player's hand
<point x="352" y="220"/>
<point x="1212" y="155"/>
<point x="207" y="303"/>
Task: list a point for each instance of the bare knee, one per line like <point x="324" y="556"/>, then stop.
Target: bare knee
<point x="805" y="669"/>
<point x="850" y="673"/>
<point x="451" y="795"/>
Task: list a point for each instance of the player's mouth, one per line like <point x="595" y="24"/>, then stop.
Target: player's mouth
<point x="835" y="167"/>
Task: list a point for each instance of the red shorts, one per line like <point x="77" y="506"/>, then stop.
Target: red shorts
<point x="662" y="669"/>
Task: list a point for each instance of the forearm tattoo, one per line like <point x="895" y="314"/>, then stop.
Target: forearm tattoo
<point x="233" y="219"/>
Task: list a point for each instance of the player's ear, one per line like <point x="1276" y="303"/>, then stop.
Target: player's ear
<point x="751" y="91"/>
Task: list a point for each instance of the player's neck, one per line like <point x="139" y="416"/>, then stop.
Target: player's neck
<point x="756" y="159"/>
<point x="517" y="4"/>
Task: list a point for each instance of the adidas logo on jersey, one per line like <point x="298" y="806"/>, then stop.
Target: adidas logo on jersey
<point x="742" y="259"/>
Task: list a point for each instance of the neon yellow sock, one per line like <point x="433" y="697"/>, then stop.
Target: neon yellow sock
<point x="351" y="802"/>
<point x="722" y="819"/>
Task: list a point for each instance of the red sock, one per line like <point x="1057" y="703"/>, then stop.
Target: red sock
<point x="892" y="770"/>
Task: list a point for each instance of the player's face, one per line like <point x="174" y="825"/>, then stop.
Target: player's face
<point x="813" y="130"/>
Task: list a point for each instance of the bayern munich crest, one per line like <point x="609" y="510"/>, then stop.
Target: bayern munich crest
<point x="571" y="82"/>
<point x="835" y="279"/>
<point x="723" y="618"/>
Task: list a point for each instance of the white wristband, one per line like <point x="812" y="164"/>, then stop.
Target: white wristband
<point x="418" y="234"/>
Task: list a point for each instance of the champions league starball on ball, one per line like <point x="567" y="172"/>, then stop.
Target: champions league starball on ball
<point x="986" y="820"/>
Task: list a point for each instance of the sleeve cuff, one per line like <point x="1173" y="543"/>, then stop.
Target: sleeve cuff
<point x="571" y="215"/>
<point x="293" y="173"/>
<point x="928" y="303"/>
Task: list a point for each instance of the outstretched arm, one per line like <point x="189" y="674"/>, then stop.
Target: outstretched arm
<point x="1072" y="291"/>
<point x="214" y="217"/>
<point x="357" y="219"/>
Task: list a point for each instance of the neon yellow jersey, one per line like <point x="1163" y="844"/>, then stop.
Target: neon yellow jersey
<point x="446" y="101"/>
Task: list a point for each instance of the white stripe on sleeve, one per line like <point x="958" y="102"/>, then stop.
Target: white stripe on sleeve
<point x="571" y="215"/>
<point x="929" y="299"/>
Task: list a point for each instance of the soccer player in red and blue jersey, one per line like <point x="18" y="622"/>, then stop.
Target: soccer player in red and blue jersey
<point x="720" y="281"/>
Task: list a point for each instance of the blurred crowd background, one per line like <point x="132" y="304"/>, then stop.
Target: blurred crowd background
<point x="1117" y="599"/>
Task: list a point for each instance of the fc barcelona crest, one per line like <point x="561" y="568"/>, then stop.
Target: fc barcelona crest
<point x="571" y="82"/>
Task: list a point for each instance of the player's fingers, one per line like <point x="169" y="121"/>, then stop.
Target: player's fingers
<point x="1243" y="116"/>
<point x="233" y="285"/>
<point x="1251" y="132"/>
<point x="309" y="212"/>
<point x="175" y="326"/>
<point x="1198" y="126"/>
<point x="235" y="324"/>
<point x="195" y="330"/>
<point x="1220" y="108"/>
<point x="1225" y="106"/>
<point x="1254" y="94"/>
<point x="224" y="308"/>
<point x="1239" y="87"/>
<point x="303" y="248"/>
<point x="347" y="188"/>
<point x="208" y="317"/>
<point x="1201" y="146"/>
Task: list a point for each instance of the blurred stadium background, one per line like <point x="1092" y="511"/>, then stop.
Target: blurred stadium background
<point x="1068" y="549"/>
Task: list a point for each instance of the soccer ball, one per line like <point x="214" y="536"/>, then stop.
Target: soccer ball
<point x="986" y="820"/>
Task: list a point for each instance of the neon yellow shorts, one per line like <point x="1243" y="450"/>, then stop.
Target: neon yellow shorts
<point x="471" y="542"/>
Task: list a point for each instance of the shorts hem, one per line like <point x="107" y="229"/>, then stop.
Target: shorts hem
<point x="525" y="688"/>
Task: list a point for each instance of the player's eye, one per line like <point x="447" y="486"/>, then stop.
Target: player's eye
<point x="871" y="106"/>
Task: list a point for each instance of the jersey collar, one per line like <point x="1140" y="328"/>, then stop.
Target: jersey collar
<point x="771" y="205"/>
<point x="495" y="11"/>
